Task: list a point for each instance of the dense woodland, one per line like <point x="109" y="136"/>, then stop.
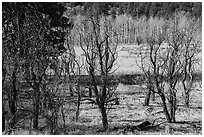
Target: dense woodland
<point x="46" y="81"/>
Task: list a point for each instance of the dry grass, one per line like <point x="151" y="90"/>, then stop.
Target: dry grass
<point x="130" y="112"/>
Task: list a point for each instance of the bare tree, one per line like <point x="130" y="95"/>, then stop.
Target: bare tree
<point x="192" y="48"/>
<point x="161" y="63"/>
<point x="100" y="54"/>
<point x="173" y="67"/>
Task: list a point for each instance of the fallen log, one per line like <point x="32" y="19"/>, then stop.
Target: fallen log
<point x="144" y="125"/>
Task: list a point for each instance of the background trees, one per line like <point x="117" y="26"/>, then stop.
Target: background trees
<point x="139" y="9"/>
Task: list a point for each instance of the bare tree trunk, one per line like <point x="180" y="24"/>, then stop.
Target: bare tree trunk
<point x="3" y="111"/>
<point x="102" y="106"/>
<point x="187" y="84"/>
<point x="3" y="121"/>
<point x="90" y="91"/>
<point x="13" y="99"/>
<point x="63" y="117"/>
<point x="167" y="115"/>
<point x="78" y="102"/>
<point x="148" y="95"/>
<point x="104" y="117"/>
<point x="153" y="96"/>
<point x="36" y="107"/>
<point x="147" y="98"/>
<point x="187" y="99"/>
<point x="172" y="102"/>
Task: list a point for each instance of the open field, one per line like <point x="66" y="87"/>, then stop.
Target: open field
<point x="127" y="61"/>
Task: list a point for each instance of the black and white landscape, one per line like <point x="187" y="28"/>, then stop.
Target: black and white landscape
<point x="110" y="68"/>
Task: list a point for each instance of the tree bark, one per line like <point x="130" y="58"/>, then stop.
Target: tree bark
<point x="36" y="107"/>
<point x="3" y="121"/>
<point x="166" y="113"/>
<point x="153" y="96"/>
<point x="147" y="98"/>
<point x="3" y="111"/>
<point x="187" y="101"/>
<point x="104" y="117"/>
<point x="13" y="98"/>
<point x="90" y="91"/>
<point x="172" y="106"/>
<point x="187" y="90"/>
<point x="78" y="102"/>
<point x="63" y="117"/>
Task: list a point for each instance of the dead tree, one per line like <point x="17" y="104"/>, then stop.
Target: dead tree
<point x="163" y="65"/>
<point x="192" y="47"/>
<point x="100" y="54"/>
